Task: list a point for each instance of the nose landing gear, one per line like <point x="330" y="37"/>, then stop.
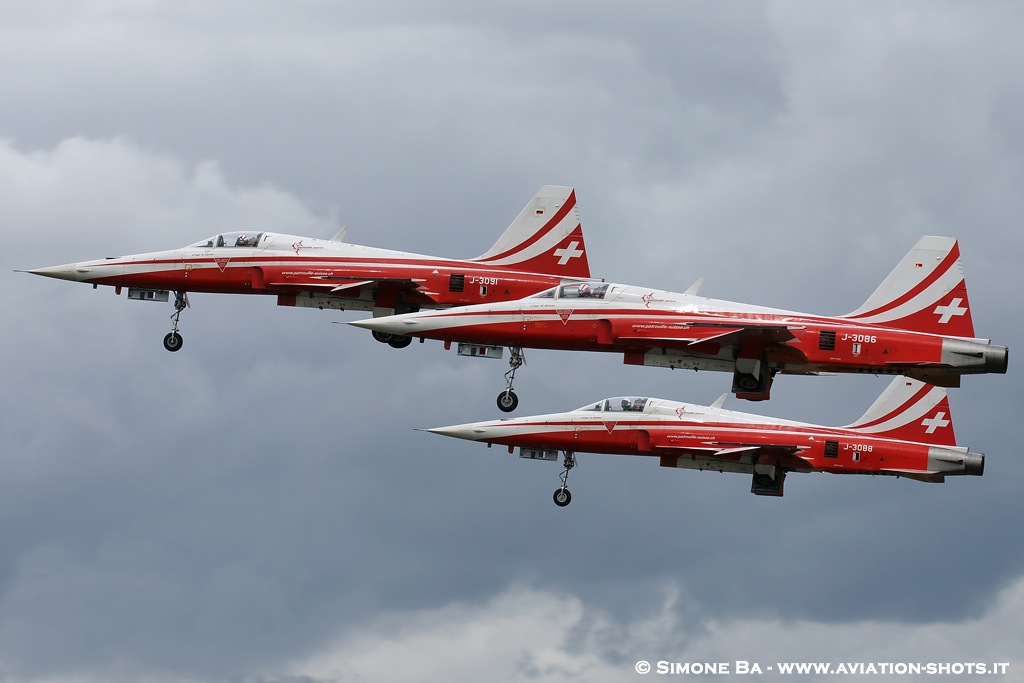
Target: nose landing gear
<point x="507" y="400"/>
<point x="562" y="497"/>
<point x="173" y="340"/>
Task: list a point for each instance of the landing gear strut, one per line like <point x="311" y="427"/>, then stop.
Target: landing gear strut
<point x="173" y="340"/>
<point x="507" y="400"/>
<point x="562" y="496"/>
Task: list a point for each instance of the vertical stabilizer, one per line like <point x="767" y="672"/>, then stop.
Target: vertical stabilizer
<point x="546" y="237"/>
<point x="910" y="410"/>
<point x="926" y="292"/>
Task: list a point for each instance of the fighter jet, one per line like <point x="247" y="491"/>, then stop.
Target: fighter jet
<point x="917" y="323"/>
<point x="543" y="246"/>
<point x="907" y="432"/>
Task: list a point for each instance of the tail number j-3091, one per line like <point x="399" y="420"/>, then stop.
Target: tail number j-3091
<point x="475" y="280"/>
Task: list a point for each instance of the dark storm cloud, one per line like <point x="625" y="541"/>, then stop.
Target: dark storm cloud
<point x="257" y="507"/>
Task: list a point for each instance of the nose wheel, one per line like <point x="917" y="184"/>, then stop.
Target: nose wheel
<point x="562" y="497"/>
<point x="173" y="340"/>
<point x="507" y="400"/>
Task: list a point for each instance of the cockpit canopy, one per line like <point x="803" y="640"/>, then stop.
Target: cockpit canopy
<point x="576" y="290"/>
<point x="230" y="239"/>
<point x="619" y="404"/>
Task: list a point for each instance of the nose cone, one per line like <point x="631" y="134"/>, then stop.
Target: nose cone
<point x="392" y="324"/>
<point x="474" y="431"/>
<point x="75" y="272"/>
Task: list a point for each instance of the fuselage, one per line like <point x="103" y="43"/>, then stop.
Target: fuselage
<point x="702" y="437"/>
<point x="304" y="271"/>
<point x="667" y="329"/>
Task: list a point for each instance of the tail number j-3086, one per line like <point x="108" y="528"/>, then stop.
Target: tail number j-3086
<point x="860" y="338"/>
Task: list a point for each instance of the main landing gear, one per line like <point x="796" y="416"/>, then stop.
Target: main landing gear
<point x="395" y="341"/>
<point x="507" y="400"/>
<point x="173" y="340"/>
<point x="562" y="497"/>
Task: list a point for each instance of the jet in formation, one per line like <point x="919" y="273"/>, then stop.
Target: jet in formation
<point x="917" y="323"/>
<point x="542" y="247"/>
<point x="907" y="432"/>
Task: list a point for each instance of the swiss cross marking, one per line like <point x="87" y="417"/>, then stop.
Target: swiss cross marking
<point x="947" y="312"/>
<point x="569" y="252"/>
<point x="933" y="423"/>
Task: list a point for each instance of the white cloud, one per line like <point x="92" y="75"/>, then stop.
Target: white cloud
<point x="529" y="633"/>
<point x="85" y="196"/>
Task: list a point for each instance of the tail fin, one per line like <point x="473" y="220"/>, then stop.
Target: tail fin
<point x="912" y="411"/>
<point x="546" y="237"/>
<point x="926" y="292"/>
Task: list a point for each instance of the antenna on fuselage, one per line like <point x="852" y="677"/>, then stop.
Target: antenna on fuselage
<point x="340" y="235"/>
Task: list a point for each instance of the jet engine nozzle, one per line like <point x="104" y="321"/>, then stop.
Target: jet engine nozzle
<point x="974" y="356"/>
<point x="996" y="359"/>
<point x="955" y="461"/>
<point x="974" y="463"/>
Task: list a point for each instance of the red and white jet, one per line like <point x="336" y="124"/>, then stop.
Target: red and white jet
<point x="907" y="432"/>
<point x="543" y="246"/>
<point x="917" y="323"/>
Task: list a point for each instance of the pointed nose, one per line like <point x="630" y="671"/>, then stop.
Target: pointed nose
<point x="76" y="272"/>
<point x="473" y="432"/>
<point x="392" y="324"/>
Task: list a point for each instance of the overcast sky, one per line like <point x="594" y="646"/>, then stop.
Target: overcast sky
<point x="258" y="508"/>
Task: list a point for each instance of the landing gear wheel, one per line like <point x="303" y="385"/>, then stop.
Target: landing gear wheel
<point x="748" y="382"/>
<point x="173" y="341"/>
<point x="507" y="401"/>
<point x="562" y="497"/>
<point x="399" y="342"/>
<point x="382" y="337"/>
